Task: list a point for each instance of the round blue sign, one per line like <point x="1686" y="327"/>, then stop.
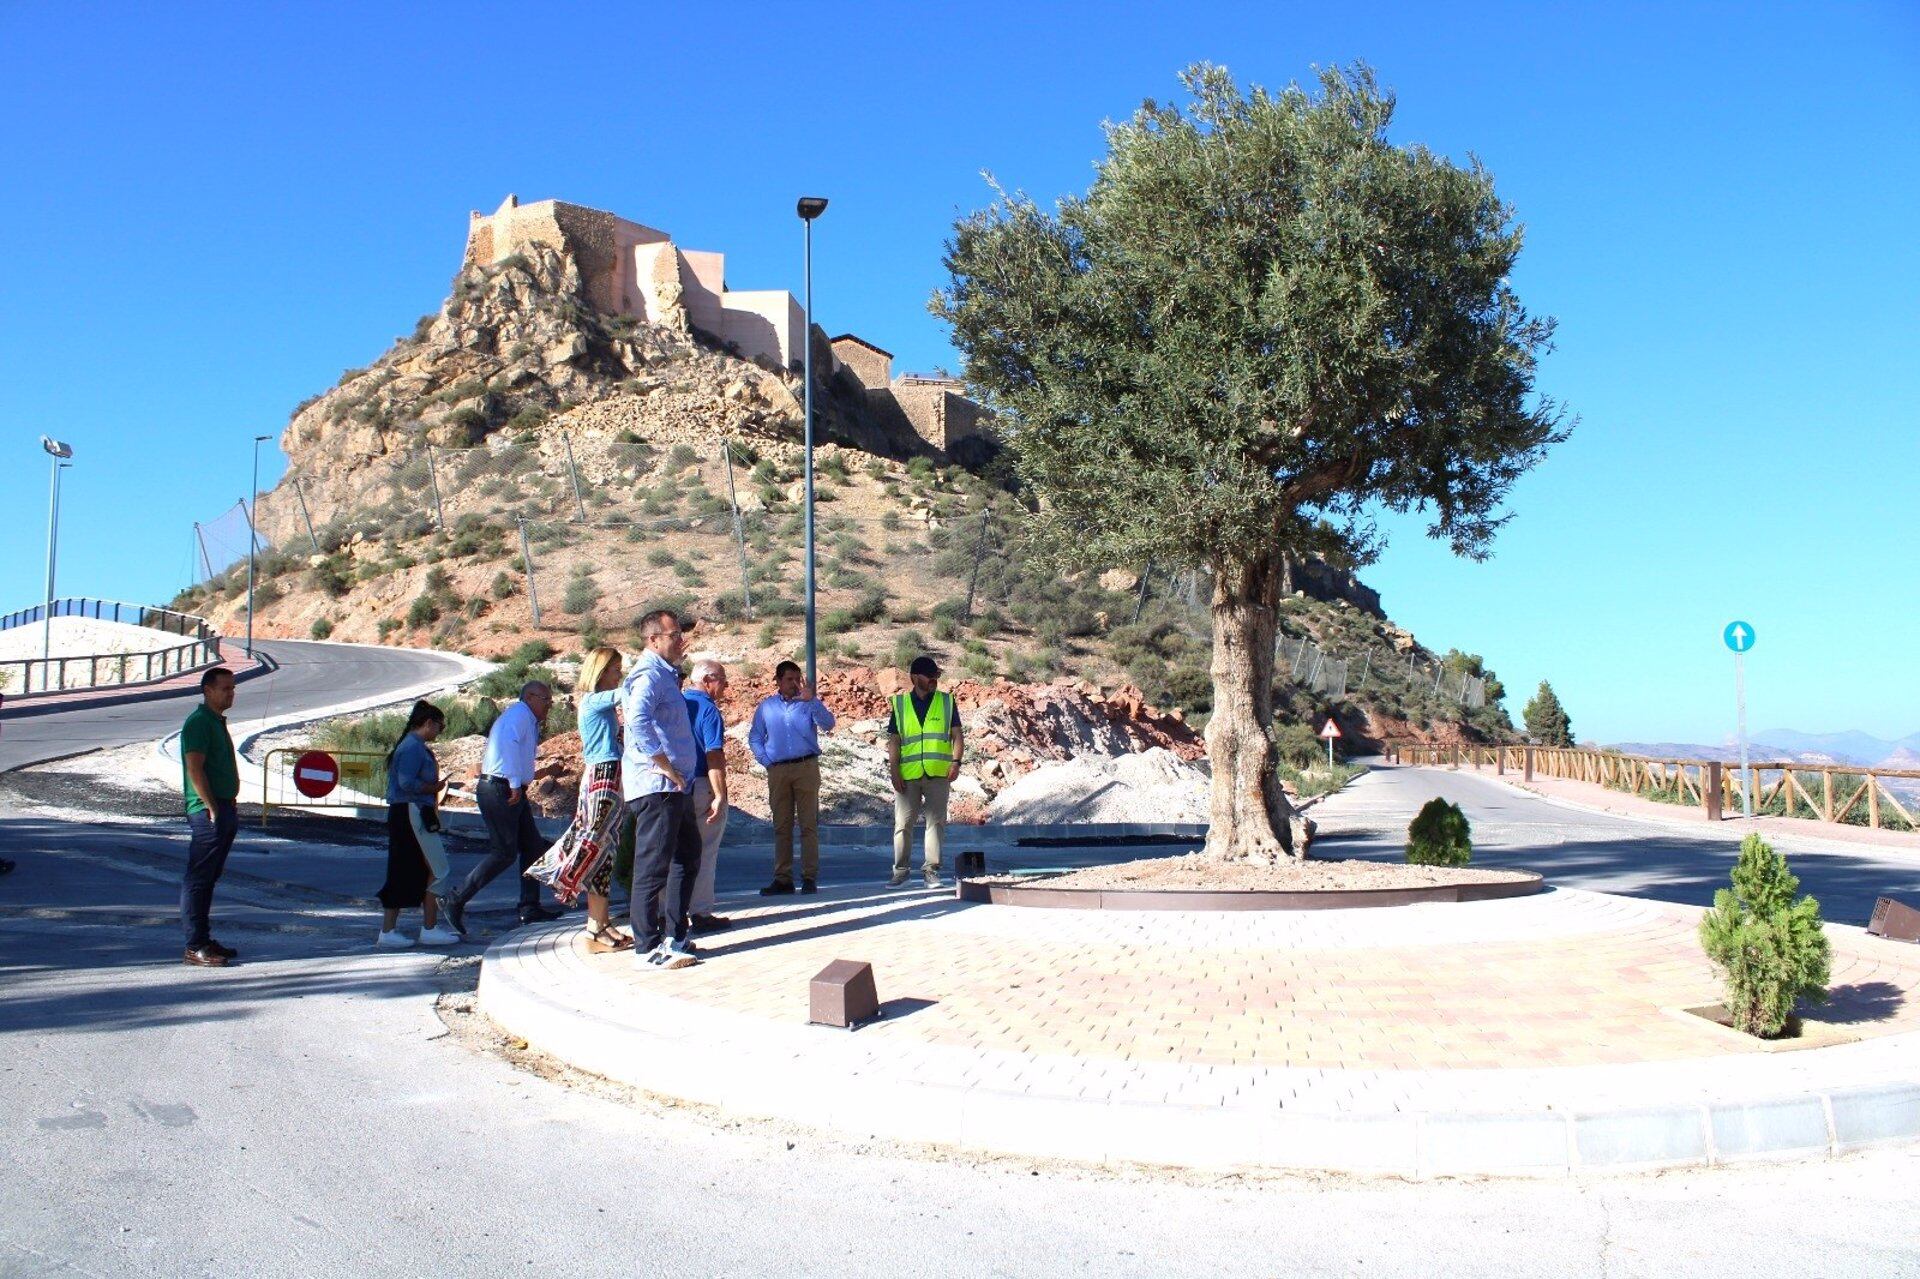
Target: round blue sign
<point x="1739" y="636"/>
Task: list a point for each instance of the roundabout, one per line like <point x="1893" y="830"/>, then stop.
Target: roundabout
<point x="1536" y="1035"/>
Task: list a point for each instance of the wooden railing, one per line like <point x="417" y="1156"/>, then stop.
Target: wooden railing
<point x="1825" y="792"/>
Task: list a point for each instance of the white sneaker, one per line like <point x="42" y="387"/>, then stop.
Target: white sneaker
<point x="440" y="935"/>
<point x="395" y="940"/>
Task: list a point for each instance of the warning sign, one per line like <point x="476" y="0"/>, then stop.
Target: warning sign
<point x="315" y="774"/>
<point x="1331" y="731"/>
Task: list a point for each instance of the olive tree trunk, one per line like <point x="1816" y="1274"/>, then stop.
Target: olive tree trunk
<point x="1248" y="812"/>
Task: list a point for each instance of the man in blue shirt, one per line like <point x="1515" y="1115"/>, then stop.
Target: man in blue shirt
<point x="708" y="683"/>
<point x="784" y="739"/>
<point x="656" y="775"/>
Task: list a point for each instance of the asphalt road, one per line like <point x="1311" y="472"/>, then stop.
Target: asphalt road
<point x="311" y="676"/>
<point x="1577" y="848"/>
<point x="308" y="1113"/>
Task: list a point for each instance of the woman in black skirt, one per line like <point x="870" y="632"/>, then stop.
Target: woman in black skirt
<point x="417" y="872"/>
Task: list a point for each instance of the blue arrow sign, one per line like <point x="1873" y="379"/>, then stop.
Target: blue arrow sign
<point x="1739" y="636"/>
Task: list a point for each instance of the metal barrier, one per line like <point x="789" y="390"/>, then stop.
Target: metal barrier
<point x="362" y="784"/>
<point x="60" y="674"/>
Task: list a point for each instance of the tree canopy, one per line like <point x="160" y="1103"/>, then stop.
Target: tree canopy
<point x="1262" y="323"/>
<point x="1546" y="719"/>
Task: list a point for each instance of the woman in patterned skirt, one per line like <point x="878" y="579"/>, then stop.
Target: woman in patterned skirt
<point x="583" y="857"/>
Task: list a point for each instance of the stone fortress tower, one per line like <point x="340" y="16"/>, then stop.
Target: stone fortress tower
<point x="631" y="269"/>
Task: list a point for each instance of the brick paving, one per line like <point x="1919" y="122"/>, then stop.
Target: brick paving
<point x="1565" y="978"/>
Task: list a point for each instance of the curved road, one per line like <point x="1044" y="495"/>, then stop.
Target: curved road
<point x="311" y="677"/>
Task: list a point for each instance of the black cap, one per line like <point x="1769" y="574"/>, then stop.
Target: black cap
<point x="924" y="665"/>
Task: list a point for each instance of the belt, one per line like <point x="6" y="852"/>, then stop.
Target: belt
<point x="495" y="777"/>
<point x="797" y="759"/>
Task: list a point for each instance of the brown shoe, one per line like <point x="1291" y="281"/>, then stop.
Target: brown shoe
<point x="607" y="941"/>
<point x="205" y="957"/>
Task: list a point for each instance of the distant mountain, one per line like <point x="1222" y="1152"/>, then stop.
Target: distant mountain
<point x="1851" y="747"/>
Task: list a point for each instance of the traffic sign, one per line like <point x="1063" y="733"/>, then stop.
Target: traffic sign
<point x="1739" y="636"/>
<point x="1331" y="731"/>
<point x="315" y="774"/>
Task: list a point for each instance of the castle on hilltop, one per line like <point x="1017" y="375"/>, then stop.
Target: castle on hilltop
<point x="630" y="269"/>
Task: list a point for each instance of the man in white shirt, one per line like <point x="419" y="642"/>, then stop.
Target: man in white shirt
<point x="506" y="770"/>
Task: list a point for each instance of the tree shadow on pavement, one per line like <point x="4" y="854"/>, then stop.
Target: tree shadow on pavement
<point x="1858" y="1003"/>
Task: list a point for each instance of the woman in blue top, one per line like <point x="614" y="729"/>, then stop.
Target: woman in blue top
<point x="416" y="860"/>
<point x="583" y="857"/>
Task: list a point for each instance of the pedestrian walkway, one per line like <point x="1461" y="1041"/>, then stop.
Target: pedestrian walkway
<point x="1540" y="1034"/>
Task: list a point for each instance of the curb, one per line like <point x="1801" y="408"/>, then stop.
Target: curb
<point x="833" y="1080"/>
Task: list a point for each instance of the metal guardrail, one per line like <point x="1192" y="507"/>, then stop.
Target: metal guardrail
<point x="1824" y="792"/>
<point x="363" y="781"/>
<point x="61" y="674"/>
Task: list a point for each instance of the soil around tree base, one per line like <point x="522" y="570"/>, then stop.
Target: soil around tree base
<point x="1199" y="882"/>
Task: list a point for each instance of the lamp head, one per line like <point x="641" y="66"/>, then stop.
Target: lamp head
<point x="811" y="207"/>
<point x="55" y="447"/>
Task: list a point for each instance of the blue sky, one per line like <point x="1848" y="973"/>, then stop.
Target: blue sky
<point x="214" y="209"/>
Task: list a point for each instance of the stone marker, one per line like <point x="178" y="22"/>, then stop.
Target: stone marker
<point x="842" y="994"/>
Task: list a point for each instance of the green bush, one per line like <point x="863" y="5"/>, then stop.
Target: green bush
<point x="769" y="635"/>
<point x="388" y="625"/>
<point x="582" y="594"/>
<point x="908" y="645"/>
<point x="320" y="629"/>
<point x="661" y="557"/>
<point x="1296" y="745"/>
<point x="502" y="586"/>
<point x="422" y="612"/>
<point x="1767" y="942"/>
<point x="1439" y="836"/>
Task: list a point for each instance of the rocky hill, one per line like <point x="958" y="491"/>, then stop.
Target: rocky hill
<point x="526" y="466"/>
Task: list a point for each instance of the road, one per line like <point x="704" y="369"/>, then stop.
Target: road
<point x="1578" y="848"/>
<point x="311" y="676"/>
<point x="308" y="1113"/>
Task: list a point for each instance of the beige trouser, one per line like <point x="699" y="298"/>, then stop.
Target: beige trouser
<point x="710" y="833"/>
<point x="793" y="789"/>
<point x="928" y="795"/>
<point x="440" y="881"/>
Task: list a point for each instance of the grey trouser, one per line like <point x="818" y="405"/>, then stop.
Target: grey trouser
<point x="702" y="903"/>
<point x="926" y="795"/>
<point x="511" y="837"/>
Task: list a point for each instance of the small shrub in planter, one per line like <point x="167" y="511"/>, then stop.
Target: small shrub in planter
<point x="1766" y="941"/>
<point x="1439" y="836"/>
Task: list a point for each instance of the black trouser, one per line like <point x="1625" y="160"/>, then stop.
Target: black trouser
<point x="511" y="837"/>
<point x="209" y="839"/>
<point x="666" y="852"/>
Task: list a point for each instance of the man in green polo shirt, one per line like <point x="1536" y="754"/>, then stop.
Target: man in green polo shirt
<point x="210" y="778"/>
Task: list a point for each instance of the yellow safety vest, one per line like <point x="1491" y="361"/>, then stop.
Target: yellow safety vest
<point x="926" y="748"/>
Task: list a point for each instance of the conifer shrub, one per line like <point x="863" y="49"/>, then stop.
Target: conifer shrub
<point x="1439" y="835"/>
<point x="1766" y="941"/>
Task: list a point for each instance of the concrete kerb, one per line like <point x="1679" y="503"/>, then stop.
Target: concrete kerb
<point x="861" y="1085"/>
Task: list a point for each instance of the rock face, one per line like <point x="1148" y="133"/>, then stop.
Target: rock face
<point x="518" y="355"/>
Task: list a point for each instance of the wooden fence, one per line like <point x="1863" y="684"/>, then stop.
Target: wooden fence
<point x="1825" y="792"/>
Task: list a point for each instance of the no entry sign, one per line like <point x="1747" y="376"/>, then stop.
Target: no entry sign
<point x="315" y="774"/>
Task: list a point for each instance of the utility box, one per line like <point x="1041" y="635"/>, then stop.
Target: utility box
<point x="842" y="994"/>
<point x="1894" y="921"/>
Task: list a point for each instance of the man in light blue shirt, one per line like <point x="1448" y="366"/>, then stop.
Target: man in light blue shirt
<point x="785" y="739"/>
<point x="656" y="775"/>
<point x="506" y="770"/>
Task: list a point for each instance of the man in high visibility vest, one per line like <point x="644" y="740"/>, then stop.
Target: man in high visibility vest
<point x="924" y="746"/>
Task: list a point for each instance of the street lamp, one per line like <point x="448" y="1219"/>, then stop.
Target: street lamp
<point x="253" y="536"/>
<point x="809" y="208"/>
<point x="59" y="452"/>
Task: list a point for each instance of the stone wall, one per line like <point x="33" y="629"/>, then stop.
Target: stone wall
<point x="872" y="366"/>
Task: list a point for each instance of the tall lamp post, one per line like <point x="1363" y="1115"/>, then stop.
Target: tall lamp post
<point x="59" y="452"/>
<point x="809" y="208"/>
<point x="253" y="536"/>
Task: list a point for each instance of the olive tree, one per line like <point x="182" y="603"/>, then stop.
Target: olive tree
<point x="1262" y="323"/>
